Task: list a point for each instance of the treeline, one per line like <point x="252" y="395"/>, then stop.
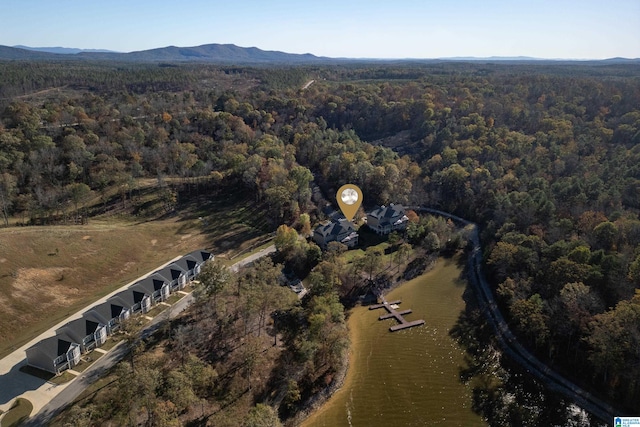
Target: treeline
<point x="543" y="157"/>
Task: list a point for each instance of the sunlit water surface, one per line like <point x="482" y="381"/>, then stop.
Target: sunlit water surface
<point x="410" y="377"/>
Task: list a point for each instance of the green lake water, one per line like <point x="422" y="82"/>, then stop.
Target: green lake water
<point x="410" y="377"/>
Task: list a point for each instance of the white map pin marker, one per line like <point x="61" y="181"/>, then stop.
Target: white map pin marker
<point x="349" y="199"/>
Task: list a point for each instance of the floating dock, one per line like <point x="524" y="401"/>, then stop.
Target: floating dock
<point x="398" y="315"/>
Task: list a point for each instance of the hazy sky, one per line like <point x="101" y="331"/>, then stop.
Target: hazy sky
<point x="338" y="28"/>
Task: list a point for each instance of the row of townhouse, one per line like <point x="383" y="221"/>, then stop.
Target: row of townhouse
<point x="63" y="351"/>
<point x="383" y="220"/>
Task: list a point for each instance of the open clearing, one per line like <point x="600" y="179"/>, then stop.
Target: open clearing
<point x="48" y="273"/>
<point x="51" y="272"/>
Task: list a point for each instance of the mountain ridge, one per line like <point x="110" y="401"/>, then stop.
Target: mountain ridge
<point x="212" y="53"/>
<point x="233" y="54"/>
<point x="62" y="50"/>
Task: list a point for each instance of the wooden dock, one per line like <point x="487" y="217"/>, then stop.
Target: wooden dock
<point x="398" y="315"/>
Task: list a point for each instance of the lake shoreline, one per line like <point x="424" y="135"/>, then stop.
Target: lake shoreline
<point x="317" y="401"/>
<point x="320" y="399"/>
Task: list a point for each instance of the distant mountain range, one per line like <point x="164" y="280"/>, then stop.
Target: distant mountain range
<point x="63" y="50"/>
<point x="532" y="59"/>
<point x="214" y="53"/>
<point x="230" y="54"/>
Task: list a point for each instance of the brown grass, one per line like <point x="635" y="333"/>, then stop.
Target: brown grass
<point x="48" y="273"/>
<point x="51" y="272"/>
<point x="19" y="412"/>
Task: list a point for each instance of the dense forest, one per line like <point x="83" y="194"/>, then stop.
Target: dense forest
<point x="545" y="158"/>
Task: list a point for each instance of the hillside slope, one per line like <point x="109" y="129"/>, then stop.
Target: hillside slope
<point x="218" y="53"/>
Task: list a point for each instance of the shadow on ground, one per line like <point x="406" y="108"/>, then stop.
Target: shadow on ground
<point x="15" y="383"/>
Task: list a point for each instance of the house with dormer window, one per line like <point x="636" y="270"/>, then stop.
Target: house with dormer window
<point x="341" y="231"/>
<point x="385" y="219"/>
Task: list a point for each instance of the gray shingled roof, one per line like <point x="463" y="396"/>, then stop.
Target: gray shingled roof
<point x="52" y="346"/>
<point x="79" y="328"/>
<point x="335" y="228"/>
<point x="172" y="271"/>
<point x="201" y="255"/>
<point x="150" y="284"/>
<point x="122" y="299"/>
<point x="187" y="262"/>
<point x="104" y="312"/>
<point x="387" y="211"/>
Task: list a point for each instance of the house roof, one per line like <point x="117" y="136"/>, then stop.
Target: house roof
<point x="201" y="255"/>
<point x="65" y="340"/>
<point x="172" y="271"/>
<point x="142" y="287"/>
<point x="52" y="346"/>
<point x="104" y="312"/>
<point x="150" y="284"/>
<point x="79" y="328"/>
<point x="387" y="212"/>
<point x="135" y="293"/>
<point x="332" y="213"/>
<point x="335" y="228"/>
<point x="124" y="299"/>
<point x="187" y="262"/>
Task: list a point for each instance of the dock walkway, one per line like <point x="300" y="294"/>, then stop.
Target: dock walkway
<point x="398" y="315"/>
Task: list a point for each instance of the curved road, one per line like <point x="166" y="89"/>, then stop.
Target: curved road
<point x="508" y="341"/>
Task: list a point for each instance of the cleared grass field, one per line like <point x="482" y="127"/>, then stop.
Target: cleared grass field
<point x="50" y="272"/>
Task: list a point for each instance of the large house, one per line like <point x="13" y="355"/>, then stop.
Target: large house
<point x="385" y="219"/>
<point x="341" y="231"/>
